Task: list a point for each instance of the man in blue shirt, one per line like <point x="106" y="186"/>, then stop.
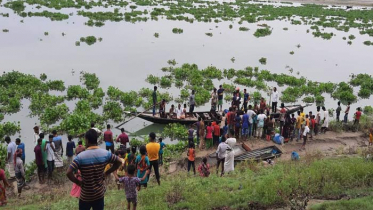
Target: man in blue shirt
<point x="245" y="125"/>
<point x="21" y="146"/>
<point x="246" y="98"/>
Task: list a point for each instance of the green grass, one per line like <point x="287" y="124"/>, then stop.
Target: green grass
<point x="365" y="203"/>
<point x="250" y="183"/>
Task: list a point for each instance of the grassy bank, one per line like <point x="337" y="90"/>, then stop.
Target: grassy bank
<point x="359" y="203"/>
<point x="251" y="186"/>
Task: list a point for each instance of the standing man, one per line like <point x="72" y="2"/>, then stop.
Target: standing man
<point x="21" y="145"/>
<point x="338" y="110"/>
<point x="245" y="125"/>
<point x="154" y="99"/>
<point x="152" y="148"/>
<point x="11" y="150"/>
<point x="108" y="138"/>
<point x="282" y="118"/>
<point x="220" y="98"/>
<point x="251" y="115"/>
<point x="39" y="161"/>
<point x="36" y="134"/>
<point x="246" y="98"/>
<point x="192" y="103"/>
<point x="220" y="155"/>
<point x="274" y="100"/>
<point x="92" y="171"/>
<point x="123" y="139"/>
<point x="214" y="100"/>
<point x="44" y="153"/>
<point x="50" y="149"/>
<point x="19" y="171"/>
<point x="57" y="140"/>
<point x="346" y="112"/>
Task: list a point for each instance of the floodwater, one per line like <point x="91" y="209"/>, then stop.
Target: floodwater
<point x="129" y="52"/>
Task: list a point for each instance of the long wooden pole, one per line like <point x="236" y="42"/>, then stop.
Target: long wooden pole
<point x="117" y="127"/>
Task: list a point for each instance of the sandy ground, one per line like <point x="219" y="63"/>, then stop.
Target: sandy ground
<point x="364" y="3"/>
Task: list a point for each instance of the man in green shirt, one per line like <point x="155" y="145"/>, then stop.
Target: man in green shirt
<point x="154" y="99"/>
<point x="44" y="153"/>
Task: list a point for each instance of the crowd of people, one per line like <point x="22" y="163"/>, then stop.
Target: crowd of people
<point x="89" y="170"/>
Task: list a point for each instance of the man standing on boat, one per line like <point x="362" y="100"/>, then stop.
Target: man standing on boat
<point x="220" y="98"/>
<point x="123" y="139"/>
<point x="274" y="100"/>
<point x="154" y="99"/>
<point x="192" y="103"/>
<point x="246" y="98"/>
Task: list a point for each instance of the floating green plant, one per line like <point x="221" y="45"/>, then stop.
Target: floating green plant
<point x="209" y="34"/>
<point x="261" y="32"/>
<point x="243" y="29"/>
<point x="291" y="52"/>
<point x="263" y="61"/>
<point x="46" y="33"/>
<point x="285" y="29"/>
<point x="156" y="35"/>
<point x="368" y="43"/>
<point x="5" y="30"/>
<point x="77" y="43"/>
<point x="351" y="37"/>
<point x="177" y="30"/>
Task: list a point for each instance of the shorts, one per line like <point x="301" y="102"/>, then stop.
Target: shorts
<point x="220" y="102"/>
<point x="132" y="200"/>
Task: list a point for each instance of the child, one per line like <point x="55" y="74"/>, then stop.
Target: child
<point x="131" y="185"/>
<point x="204" y="168"/>
<point x="370" y="136"/>
<point x="131" y="157"/>
<point x="80" y="148"/>
<point x="209" y="130"/>
<point x="120" y="172"/>
<point x="162" y="145"/>
<point x="70" y="149"/>
<point x="191" y="157"/>
<point x="143" y="164"/>
<point x="305" y="132"/>
<point x="312" y="123"/>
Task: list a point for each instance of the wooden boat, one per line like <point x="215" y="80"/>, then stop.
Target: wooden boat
<point x="260" y="154"/>
<point x="206" y="116"/>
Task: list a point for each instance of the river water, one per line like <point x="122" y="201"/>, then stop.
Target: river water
<point x="129" y="52"/>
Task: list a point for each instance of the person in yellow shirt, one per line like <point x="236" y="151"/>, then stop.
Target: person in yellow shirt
<point x="370" y="136"/>
<point x="152" y="148"/>
<point x="298" y="125"/>
<point x="121" y="171"/>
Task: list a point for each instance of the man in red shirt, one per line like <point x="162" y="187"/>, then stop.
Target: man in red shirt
<point x="357" y="116"/>
<point x="123" y="139"/>
<point x="108" y="138"/>
<point x="216" y="134"/>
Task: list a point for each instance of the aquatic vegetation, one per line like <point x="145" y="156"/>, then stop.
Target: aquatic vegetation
<point x="256" y="96"/>
<point x="351" y="37"/>
<point x="368" y="43"/>
<point x="177" y="30"/>
<point x="90" y="80"/>
<point x="5" y="30"/>
<point x="43" y="77"/>
<point x="90" y="40"/>
<point x="261" y="32"/>
<point x="113" y="110"/>
<point x="175" y="131"/>
<point x="291" y="52"/>
<point x="152" y="79"/>
<point x="165" y="82"/>
<point x="8" y="129"/>
<point x="17" y="6"/>
<point x="263" y="61"/>
<point x="344" y="93"/>
<point x="77" y="92"/>
<point x="349" y="42"/>
<point x="77" y="43"/>
<point x="230" y="26"/>
<point x="172" y="62"/>
<point x="326" y="36"/>
<point x="243" y="29"/>
<point x="209" y="34"/>
<point x="233" y="59"/>
<point x="99" y="39"/>
<point x="46" y="33"/>
<point x="53" y="114"/>
<point x="309" y="99"/>
<point x="285" y="29"/>
<point x="156" y="35"/>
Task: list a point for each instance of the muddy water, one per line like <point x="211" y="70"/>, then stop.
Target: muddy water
<point x="129" y="52"/>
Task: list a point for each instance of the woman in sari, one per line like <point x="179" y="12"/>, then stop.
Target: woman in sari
<point x="5" y="184"/>
<point x="229" y="157"/>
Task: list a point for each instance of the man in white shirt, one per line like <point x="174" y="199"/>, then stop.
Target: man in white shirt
<point x="220" y="156"/>
<point x="305" y="132"/>
<point x="251" y="114"/>
<point x="274" y="100"/>
<point x="179" y="111"/>
<point x="36" y="135"/>
<point x="261" y="118"/>
<point x="229" y="156"/>
<point x="50" y="149"/>
<point x="11" y="150"/>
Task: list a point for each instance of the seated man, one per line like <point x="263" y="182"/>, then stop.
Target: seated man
<point x="162" y="109"/>
<point x="172" y="114"/>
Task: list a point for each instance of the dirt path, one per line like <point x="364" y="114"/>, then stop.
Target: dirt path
<point x="364" y="3"/>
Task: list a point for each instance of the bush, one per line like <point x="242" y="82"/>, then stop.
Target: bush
<point x="368" y="110"/>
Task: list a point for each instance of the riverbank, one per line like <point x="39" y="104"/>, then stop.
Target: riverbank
<point x="251" y="185"/>
<point x="363" y="3"/>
